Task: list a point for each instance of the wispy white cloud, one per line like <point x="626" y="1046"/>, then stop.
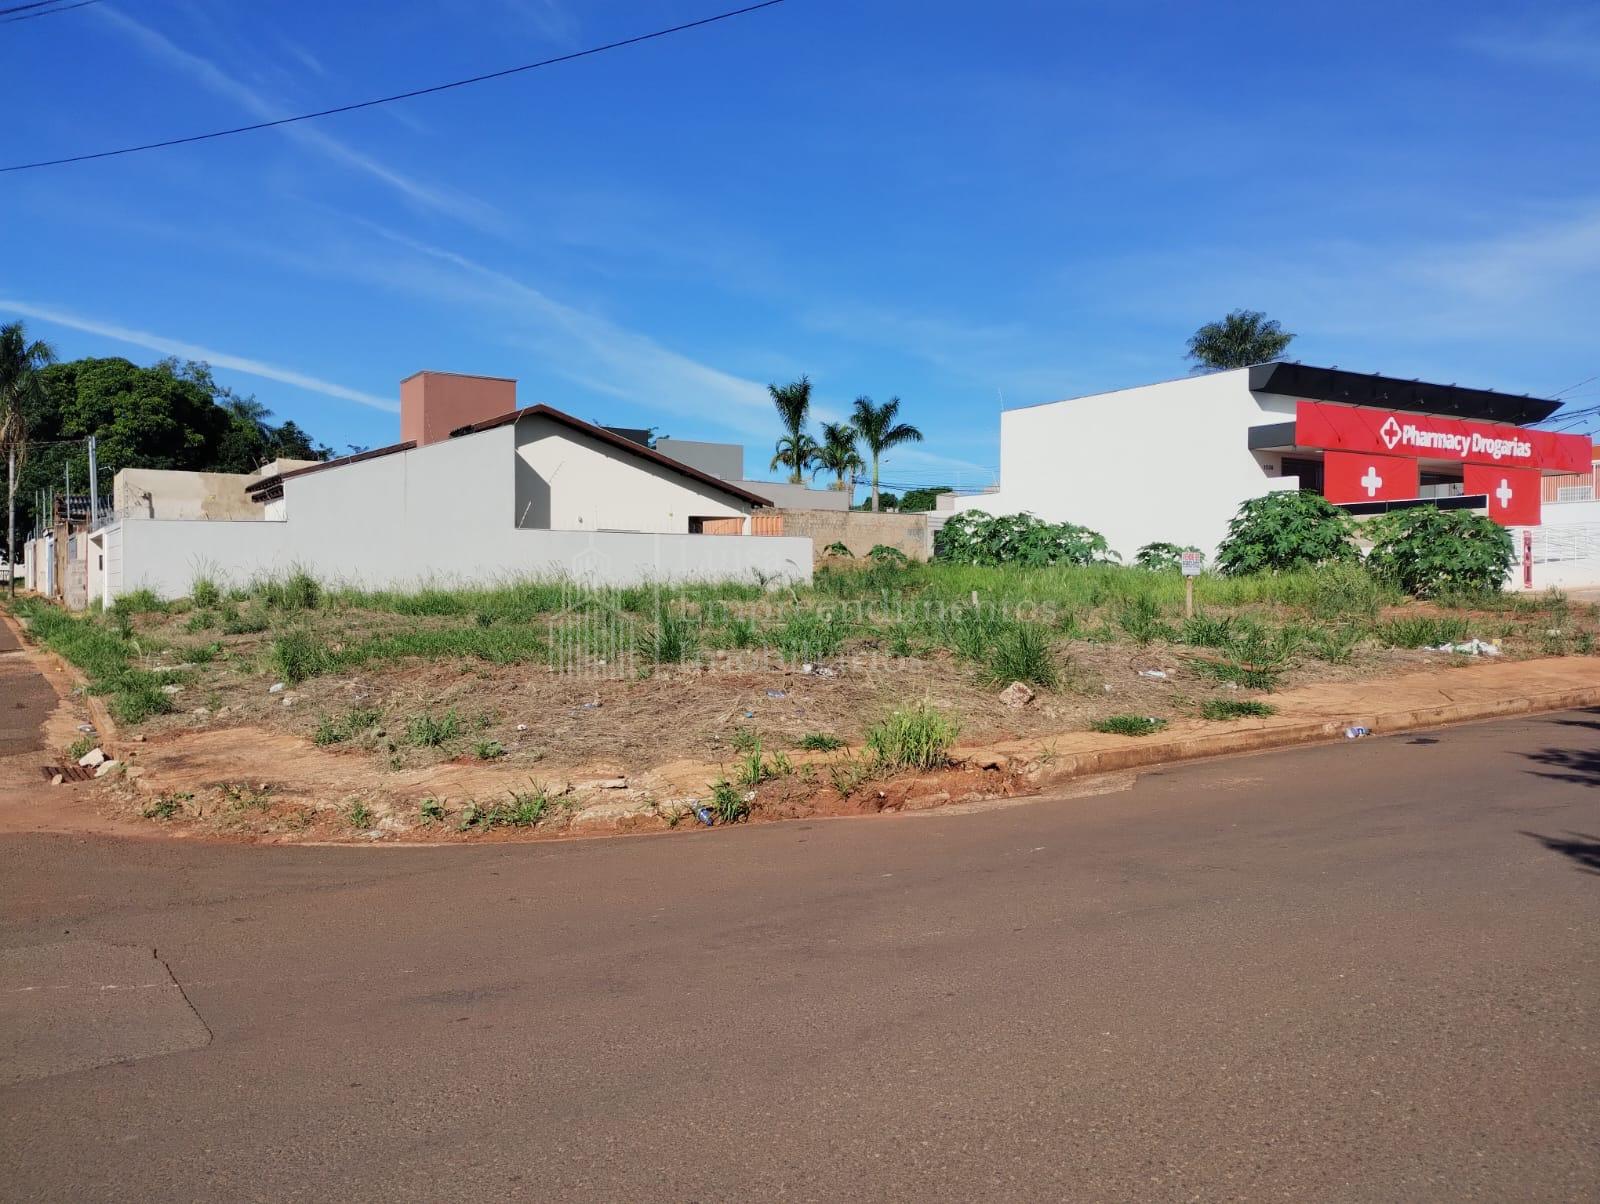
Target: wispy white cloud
<point x="191" y="351"/>
<point x="1531" y="283"/>
<point x="585" y="348"/>
<point x="441" y="200"/>
<point x="1561" y="41"/>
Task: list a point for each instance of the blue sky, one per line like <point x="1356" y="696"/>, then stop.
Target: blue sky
<point x="964" y="205"/>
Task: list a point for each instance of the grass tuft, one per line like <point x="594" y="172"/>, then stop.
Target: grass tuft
<point x="916" y="737"/>
<point x="1130" y="725"/>
<point x="1022" y="653"/>
<point x="425" y="731"/>
<point x="820" y="742"/>
<point x="298" y="655"/>
<point x="1236" y="708"/>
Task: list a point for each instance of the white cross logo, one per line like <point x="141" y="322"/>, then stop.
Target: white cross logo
<point x="1390" y="432"/>
<point x="1372" y="481"/>
<point x="1504" y="494"/>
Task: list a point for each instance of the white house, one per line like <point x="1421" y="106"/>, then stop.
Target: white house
<point x="1174" y="461"/>
<point x="476" y="491"/>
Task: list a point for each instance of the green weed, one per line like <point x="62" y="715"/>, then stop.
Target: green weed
<point x="244" y="623"/>
<point x="488" y="750"/>
<point x="810" y="636"/>
<point x="1130" y="725"/>
<point x="916" y="737"/>
<point x="166" y="806"/>
<point x="671" y="641"/>
<point x="1235" y="708"/>
<point x="298" y="591"/>
<point x="1140" y="617"/>
<point x="425" y="731"/>
<point x="820" y="742"/>
<point x="432" y="811"/>
<point x="1423" y="631"/>
<point x="727" y="803"/>
<point x="1022" y="653"/>
<point x="298" y="655"/>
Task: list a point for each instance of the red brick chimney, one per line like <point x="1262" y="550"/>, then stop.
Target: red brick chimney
<point x="432" y="404"/>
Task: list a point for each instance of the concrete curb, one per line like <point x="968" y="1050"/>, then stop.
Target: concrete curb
<point x="1136" y="752"/>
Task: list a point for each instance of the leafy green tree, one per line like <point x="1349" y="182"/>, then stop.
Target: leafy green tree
<point x="1244" y="337"/>
<point x="21" y="362"/>
<point x="926" y="498"/>
<point x="289" y="442"/>
<point x="1427" y="551"/>
<point x="880" y="432"/>
<point x="889" y="500"/>
<point x="796" y="450"/>
<point x="1285" y="530"/>
<point x="171" y="415"/>
<point x="837" y="454"/>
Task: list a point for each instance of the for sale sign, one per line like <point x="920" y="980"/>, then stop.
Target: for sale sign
<point x="1362" y="429"/>
<point x="1193" y="563"/>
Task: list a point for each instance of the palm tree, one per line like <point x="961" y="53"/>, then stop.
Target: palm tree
<point x="839" y="456"/>
<point x="796" y="450"/>
<point x="879" y="431"/>
<point x="1244" y="337"/>
<point x="249" y="412"/>
<point x="20" y="362"/>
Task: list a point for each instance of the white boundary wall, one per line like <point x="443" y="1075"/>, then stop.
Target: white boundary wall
<point x="167" y="555"/>
<point x="440" y="515"/>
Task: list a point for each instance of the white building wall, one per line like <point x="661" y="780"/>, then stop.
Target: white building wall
<point x="441" y="514"/>
<point x="785" y="496"/>
<point x="1168" y="461"/>
<point x="569" y="481"/>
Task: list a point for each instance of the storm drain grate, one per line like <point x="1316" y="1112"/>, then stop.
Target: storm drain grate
<point x="69" y="773"/>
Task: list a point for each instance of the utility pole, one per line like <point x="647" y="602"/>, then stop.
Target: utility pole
<point x="11" y="521"/>
<point x="94" y="486"/>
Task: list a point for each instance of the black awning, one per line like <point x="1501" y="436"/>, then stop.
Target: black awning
<point x="1392" y="393"/>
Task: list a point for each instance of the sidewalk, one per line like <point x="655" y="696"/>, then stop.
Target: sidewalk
<point x="1312" y="714"/>
<point x="39" y="718"/>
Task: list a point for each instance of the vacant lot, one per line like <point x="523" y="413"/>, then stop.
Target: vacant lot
<point x="549" y="681"/>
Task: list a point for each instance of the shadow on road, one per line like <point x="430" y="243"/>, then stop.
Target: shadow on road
<point x="1581" y="847"/>
<point x="1580" y="765"/>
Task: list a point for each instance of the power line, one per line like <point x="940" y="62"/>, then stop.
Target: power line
<point x="49" y="12"/>
<point x="1579" y="385"/>
<point x="383" y="100"/>
<point x="17" y="8"/>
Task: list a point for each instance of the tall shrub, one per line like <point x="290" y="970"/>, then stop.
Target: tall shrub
<point x="1289" y="530"/>
<point x="974" y="537"/>
<point x="1427" y="551"/>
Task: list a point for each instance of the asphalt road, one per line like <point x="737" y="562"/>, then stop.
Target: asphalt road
<point x="1362" y="972"/>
